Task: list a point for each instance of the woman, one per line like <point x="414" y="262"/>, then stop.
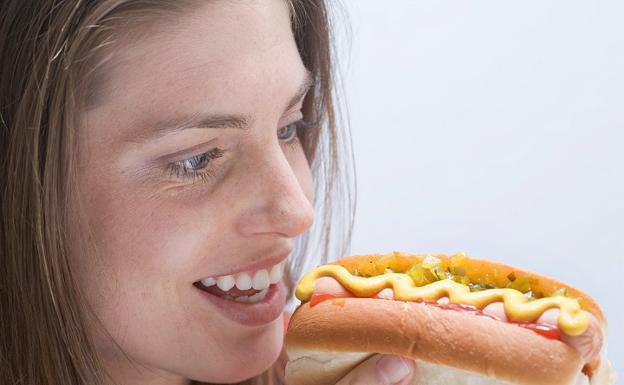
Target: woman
<point x="156" y="170"/>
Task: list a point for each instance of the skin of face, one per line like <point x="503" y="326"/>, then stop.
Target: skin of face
<point x="153" y="231"/>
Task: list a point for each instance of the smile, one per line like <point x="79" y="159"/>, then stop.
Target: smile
<point x="246" y="287"/>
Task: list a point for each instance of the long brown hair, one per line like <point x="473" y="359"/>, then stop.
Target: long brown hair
<point x="51" y="55"/>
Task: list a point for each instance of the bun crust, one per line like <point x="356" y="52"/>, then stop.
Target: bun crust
<point x="494" y="349"/>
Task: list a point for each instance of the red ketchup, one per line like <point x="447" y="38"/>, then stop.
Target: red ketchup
<point x="318" y="298"/>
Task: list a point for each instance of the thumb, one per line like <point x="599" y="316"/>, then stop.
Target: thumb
<point x="381" y="370"/>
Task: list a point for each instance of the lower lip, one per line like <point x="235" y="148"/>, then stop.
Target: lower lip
<point x="252" y="314"/>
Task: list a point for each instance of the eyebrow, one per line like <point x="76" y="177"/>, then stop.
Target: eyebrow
<point x="200" y="120"/>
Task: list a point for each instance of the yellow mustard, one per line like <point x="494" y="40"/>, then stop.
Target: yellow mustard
<point x="572" y="320"/>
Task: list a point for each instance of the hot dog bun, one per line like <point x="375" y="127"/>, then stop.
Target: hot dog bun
<point x="327" y="340"/>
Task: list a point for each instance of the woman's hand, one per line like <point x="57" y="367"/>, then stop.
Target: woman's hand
<point x="381" y="370"/>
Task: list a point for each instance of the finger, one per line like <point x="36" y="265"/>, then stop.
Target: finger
<point x="381" y="370"/>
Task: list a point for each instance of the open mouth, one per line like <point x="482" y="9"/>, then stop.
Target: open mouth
<point x="245" y="287"/>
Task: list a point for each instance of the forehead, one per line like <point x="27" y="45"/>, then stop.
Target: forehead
<point x="219" y="57"/>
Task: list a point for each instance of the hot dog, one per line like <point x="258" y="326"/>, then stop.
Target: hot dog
<point x="464" y="321"/>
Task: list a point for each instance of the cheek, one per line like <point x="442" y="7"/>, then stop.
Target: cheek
<point x="133" y="251"/>
<point x="135" y="268"/>
<point x="138" y="275"/>
<point x="135" y="240"/>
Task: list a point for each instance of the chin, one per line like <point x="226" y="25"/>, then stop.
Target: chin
<point x="248" y="356"/>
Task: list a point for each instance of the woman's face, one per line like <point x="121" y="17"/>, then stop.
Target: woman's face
<point x="189" y="168"/>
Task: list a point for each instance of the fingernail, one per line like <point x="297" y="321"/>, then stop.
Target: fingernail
<point x="392" y="369"/>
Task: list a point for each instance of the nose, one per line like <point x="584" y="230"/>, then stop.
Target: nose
<point x="279" y="198"/>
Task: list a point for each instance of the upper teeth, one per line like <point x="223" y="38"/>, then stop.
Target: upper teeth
<point x="259" y="280"/>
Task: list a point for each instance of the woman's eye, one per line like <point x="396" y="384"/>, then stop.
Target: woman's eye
<point x="194" y="165"/>
<point x="197" y="162"/>
<point x="288" y="133"/>
<point x="200" y="162"/>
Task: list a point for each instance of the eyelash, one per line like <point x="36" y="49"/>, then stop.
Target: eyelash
<point x="181" y="168"/>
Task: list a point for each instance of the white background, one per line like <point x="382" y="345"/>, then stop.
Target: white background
<point x="493" y="128"/>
